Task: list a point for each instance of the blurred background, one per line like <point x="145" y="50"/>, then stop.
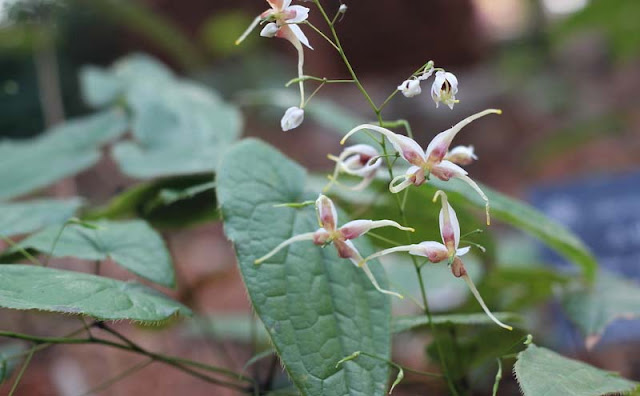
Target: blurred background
<point x="566" y="74"/>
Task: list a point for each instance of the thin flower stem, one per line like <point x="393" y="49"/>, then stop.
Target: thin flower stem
<point x="119" y="377"/>
<point x="183" y="365"/>
<point x="323" y="35"/>
<point x="20" y="249"/>
<point x="383" y="239"/>
<point x="377" y="111"/>
<point x="314" y="93"/>
<point x="32" y="351"/>
<point x="314" y="78"/>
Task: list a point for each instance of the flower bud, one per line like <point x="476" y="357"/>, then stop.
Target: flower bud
<point x="342" y="9"/>
<point x="410" y="88"/>
<point x="461" y="155"/>
<point x="269" y="30"/>
<point x="292" y="118"/>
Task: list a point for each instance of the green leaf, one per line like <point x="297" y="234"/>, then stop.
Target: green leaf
<point x="405" y="323"/>
<point x="28" y="287"/>
<point x="65" y="150"/>
<point x="104" y="86"/>
<point x="132" y="244"/>
<point x="234" y="327"/>
<point x="179" y="127"/>
<point x="525" y="217"/>
<point x="175" y="202"/>
<point x="540" y="371"/>
<point x="316" y="307"/>
<point x="28" y="216"/>
<point x="593" y="309"/>
<point x="9" y="359"/>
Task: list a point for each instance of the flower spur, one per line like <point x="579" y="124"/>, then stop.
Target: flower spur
<point x="448" y="250"/>
<point x="431" y="161"/>
<point x="340" y="237"/>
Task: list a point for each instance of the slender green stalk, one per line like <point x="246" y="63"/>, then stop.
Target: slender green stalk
<point x="32" y="351"/>
<point x="496" y="384"/>
<point x="119" y="377"/>
<point x="20" y="249"/>
<point x="324" y="36"/>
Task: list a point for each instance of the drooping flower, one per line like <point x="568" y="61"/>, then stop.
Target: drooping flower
<point x="340" y="237"/>
<point x="292" y="118"/>
<point x="461" y="155"/>
<point x="444" y="89"/>
<point x="448" y="250"/>
<point x="410" y="88"/>
<point x="282" y="20"/>
<point x="431" y="161"/>
<point x="359" y="160"/>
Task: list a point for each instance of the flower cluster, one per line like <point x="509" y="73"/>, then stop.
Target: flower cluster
<point x="444" y="88"/>
<point x="281" y="21"/>
<point x="436" y="160"/>
<point x="340" y="237"/>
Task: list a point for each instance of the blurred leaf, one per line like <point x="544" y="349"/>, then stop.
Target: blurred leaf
<point x="179" y="127"/>
<point x="28" y="287"/>
<point x="175" y="202"/>
<point x="405" y="323"/>
<point x="63" y="151"/>
<point x="617" y="20"/>
<point x="540" y="371"/>
<point x="132" y="244"/>
<point x="28" y="216"/>
<point x="161" y="31"/>
<point x="8" y="362"/>
<point x="593" y="309"/>
<point x="525" y="217"/>
<point x="220" y="31"/>
<point x="103" y="86"/>
<point x="317" y="307"/>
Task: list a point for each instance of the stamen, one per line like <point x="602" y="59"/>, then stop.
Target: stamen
<point x="296" y="238"/>
<point x="476" y="294"/>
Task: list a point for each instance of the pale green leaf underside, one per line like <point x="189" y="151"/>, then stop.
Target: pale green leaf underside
<point x="593" y="309"/>
<point x="404" y="323"/>
<point x="542" y="372"/>
<point x="28" y="216"/>
<point x="27" y="287"/>
<point x="132" y="244"/>
<point x="63" y="151"/>
<point x="317" y="307"/>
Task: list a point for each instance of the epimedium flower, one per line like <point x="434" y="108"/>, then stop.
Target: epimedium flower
<point x="431" y="161"/>
<point x="282" y="20"/>
<point x="340" y="237"/>
<point x="410" y="88"/>
<point x="292" y="118"/>
<point x="461" y="155"/>
<point x="444" y="89"/>
<point x="361" y="160"/>
<point x="448" y="250"/>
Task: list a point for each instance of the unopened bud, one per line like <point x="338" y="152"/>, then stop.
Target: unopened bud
<point x="269" y="30"/>
<point x="292" y="118"/>
<point x="342" y="9"/>
<point x="410" y="88"/>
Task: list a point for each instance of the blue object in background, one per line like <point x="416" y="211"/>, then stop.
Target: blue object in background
<point x="604" y="211"/>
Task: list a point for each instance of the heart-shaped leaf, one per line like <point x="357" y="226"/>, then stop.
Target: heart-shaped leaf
<point x="24" y="217"/>
<point x="317" y="307"/>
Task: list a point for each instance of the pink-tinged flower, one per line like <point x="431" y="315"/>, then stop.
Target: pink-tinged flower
<point x="461" y="155"/>
<point x="444" y="89"/>
<point x="360" y="160"/>
<point x="283" y="19"/>
<point x="448" y="250"/>
<point x="431" y="161"/>
<point x="341" y="237"/>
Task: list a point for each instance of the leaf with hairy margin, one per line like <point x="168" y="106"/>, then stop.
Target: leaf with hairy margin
<point x="133" y="244"/>
<point x="540" y="371"/>
<point x="27" y="287"/>
<point x="317" y="307"/>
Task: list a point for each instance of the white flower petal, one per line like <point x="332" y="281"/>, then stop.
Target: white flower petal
<point x="299" y="34"/>
<point x="326" y="212"/>
<point x="302" y="13"/>
<point x="269" y="30"/>
<point x="293" y="117"/>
